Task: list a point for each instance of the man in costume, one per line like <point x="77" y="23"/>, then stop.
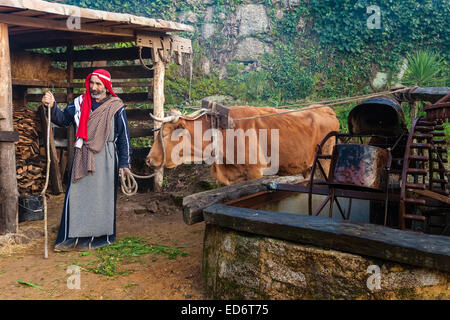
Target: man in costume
<point x="102" y="150"/>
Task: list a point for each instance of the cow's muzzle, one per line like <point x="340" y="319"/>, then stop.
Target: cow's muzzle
<point x="152" y="163"/>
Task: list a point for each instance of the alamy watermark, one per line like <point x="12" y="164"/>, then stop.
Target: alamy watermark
<point x="374" y="20"/>
<point x="374" y="280"/>
<point x="255" y="152"/>
<point x="74" y="280"/>
<point x="73" y="22"/>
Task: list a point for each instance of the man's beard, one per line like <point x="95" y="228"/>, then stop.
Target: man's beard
<point x="98" y="94"/>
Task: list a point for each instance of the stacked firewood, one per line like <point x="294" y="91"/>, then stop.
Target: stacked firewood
<point x="30" y="158"/>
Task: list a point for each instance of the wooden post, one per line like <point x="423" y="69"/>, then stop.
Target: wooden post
<point x="158" y="106"/>
<point x="8" y="180"/>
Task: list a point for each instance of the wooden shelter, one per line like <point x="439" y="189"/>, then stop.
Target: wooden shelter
<point x="32" y="24"/>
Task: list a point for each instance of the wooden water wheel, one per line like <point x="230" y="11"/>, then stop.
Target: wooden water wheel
<point x="410" y="179"/>
<point x="424" y="173"/>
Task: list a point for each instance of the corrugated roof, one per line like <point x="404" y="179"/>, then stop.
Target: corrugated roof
<point x="26" y="17"/>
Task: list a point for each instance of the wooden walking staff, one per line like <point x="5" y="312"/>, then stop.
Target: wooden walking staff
<point x="47" y="175"/>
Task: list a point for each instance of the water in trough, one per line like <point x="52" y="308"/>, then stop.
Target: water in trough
<point x="298" y="204"/>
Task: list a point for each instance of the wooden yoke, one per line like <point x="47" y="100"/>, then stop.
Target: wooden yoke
<point x="220" y="113"/>
<point x="163" y="46"/>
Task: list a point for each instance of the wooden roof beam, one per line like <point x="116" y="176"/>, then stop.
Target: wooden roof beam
<point x="95" y="15"/>
<point x="104" y="54"/>
<point x="61" y="38"/>
<point x="62" y="25"/>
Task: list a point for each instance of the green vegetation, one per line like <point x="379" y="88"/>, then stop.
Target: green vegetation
<point x="125" y="251"/>
<point x="141" y="142"/>
<point x="321" y="49"/>
<point x="423" y="69"/>
<point x="29" y="284"/>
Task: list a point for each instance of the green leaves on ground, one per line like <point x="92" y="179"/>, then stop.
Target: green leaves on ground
<point x="28" y="284"/>
<point x="129" y="250"/>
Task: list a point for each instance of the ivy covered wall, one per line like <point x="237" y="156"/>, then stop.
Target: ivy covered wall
<point x="273" y="51"/>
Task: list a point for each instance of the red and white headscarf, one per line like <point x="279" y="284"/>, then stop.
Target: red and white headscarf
<point x="86" y="104"/>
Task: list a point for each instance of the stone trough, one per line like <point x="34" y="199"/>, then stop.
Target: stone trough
<point x="249" y="253"/>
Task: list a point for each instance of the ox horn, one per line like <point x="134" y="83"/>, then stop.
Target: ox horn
<point x="198" y="112"/>
<point x="164" y="120"/>
<point x="158" y="118"/>
<point x="174" y="116"/>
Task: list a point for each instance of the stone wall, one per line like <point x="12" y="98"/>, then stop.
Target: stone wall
<point x="243" y="33"/>
<point x="238" y="265"/>
<point x="244" y="30"/>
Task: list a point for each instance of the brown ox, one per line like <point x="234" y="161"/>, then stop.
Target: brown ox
<point x="299" y="133"/>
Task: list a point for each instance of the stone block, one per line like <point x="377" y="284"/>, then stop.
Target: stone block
<point x="246" y="266"/>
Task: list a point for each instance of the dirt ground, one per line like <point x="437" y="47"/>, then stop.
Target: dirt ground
<point x="156" y="217"/>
